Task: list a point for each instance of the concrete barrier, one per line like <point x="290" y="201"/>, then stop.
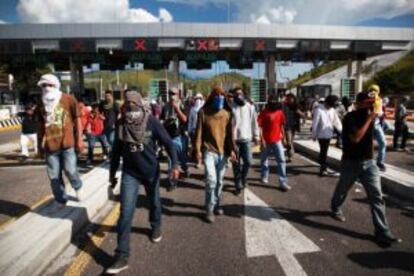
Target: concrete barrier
<point x="396" y="181"/>
<point x="13" y="123"/>
<point x="29" y="244"/>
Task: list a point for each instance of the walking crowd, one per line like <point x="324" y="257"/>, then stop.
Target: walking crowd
<point x="217" y="131"/>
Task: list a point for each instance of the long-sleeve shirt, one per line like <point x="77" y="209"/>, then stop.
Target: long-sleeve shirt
<point x="214" y="132"/>
<point x="245" y="123"/>
<point x="143" y="165"/>
<point x="324" y="122"/>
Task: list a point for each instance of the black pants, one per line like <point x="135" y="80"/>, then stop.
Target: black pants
<point x="323" y="152"/>
<point x="401" y="129"/>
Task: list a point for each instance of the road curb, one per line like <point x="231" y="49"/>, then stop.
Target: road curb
<point x="30" y="243"/>
<point x="395" y="181"/>
<point x="9" y="124"/>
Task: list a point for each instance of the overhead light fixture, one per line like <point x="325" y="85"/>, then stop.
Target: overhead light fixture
<point x="110" y="52"/>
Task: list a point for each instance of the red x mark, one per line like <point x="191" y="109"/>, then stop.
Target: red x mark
<point x="202" y="45"/>
<point x="260" y="45"/>
<point x="140" y="45"/>
<point x="77" y="46"/>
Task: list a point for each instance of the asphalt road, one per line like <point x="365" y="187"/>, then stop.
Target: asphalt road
<point x="9" y="136"/>
<point x="190" y="246"/>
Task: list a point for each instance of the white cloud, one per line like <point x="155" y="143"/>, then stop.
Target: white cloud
<point x="309" y="11"/>
<point x="76" y="11"/>
<point x="275" y="15"/>
<point x="3" y="22"/>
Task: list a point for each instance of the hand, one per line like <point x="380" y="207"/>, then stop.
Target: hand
<point x="175" y="174"/>
<point x="372" y="116"/>
<point x="199" y="157"/>
<point x="233" y="157"/>
<point x="113" y="181"/>
<point x="80" y="147"/>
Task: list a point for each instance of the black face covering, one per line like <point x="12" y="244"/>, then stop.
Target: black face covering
<point x="134" y="122"/>
<point x="239" y="100"/>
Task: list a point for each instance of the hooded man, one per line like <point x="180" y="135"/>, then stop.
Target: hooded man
<point x="138" y="132"/>
<point x="214" y="139"/>
<point x="379" y="134"/>
<point x="358" y="163"/>
<point x="59" y="136"/>
<point x="245" y="130"/>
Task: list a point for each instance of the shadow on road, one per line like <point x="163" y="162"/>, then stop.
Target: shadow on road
<point x="385" y="259"/>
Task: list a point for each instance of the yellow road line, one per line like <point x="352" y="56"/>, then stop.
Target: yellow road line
<point x="34" y="206"/>
<point x="82" y="260"/>
<point x="10" y="128"/>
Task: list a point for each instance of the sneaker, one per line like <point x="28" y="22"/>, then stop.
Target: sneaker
<point x="120" y="264"/>
<point x="285" y="188"/>
<point x="187" y="174"/>
<point x="338" y="216"/>
<point x="387" y="239"/>
<point x="323" y="173"/>
<point x="381" y="167"/>
<point x="156" y="235"/>
<point x="210" y="217"/>
<point x="332" y="173"/>
<point x="265" y="181"/>
<point x="237" y="192"/>
<point x="218" y="211"/>
<point x="79" y="194"/>
<point x="171" y="188"/>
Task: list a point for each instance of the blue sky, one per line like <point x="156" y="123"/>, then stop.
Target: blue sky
<point x="385" y="13"/>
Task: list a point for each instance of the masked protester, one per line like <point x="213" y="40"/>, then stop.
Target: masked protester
<point x="379" y="134"/>
<point x="358" y="163"/>
<point x="59" y="136"/>
<point x="192" y="118"/>
<point x="324" y="122"/>
<point x="401" y="127"/>
<point x="174" y="119"/>
<point x="245" y="130"/>
<point x="138" y="131"/>
<point x="214" y="139"/>
<point x="292" y="114"/>
<point x="272" y="120"/>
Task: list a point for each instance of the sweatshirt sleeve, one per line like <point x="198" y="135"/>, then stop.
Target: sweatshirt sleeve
<point x="255" y="126"/>
<point x="199" y="131"/>
<point x="164" y="138"/>
<point x="116" y="157"/>
<point x="337" y="122"/>
<point x="315" y="122"/>
<point x="229" y="142"/>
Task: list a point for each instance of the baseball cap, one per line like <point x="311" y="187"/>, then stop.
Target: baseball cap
<point x="49" y="79"/>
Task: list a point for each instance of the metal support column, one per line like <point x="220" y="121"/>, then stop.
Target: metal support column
<point x="176" y="71"/>
<point x="359" y="79"/>
<point x="271" y="73"/>
<point x="349" y="71"/>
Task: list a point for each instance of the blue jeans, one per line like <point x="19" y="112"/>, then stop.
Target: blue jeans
<point x="215" y="168"/>
<point x="368" y="174"/>
<point x="110" y="136"/>
<point x="382" y="143"/>
<point x="181" y="147"/>
<point x="277" y="150"/>
<point x="91" y="144"/>
<point x="129" y="194"/>
<point x="58" y="161"/>
<point x="240" y="171"/>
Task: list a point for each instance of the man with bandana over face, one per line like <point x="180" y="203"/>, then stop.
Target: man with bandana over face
<point x="138" y="132"/>
<point x="272" y="120"/>
<point x="59" y="136"/>
<point x="358" y="163"/>
<point x="245" y="130"/>
<point x="214" y="139"/>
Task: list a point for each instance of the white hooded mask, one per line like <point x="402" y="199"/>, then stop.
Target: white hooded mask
<point x="51" y="95"/>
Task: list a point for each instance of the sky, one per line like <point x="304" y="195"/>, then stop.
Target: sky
<point x="384" y="13"/>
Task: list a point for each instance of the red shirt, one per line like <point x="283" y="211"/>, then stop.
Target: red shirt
<point x="271" y="123"/>
<point x="96" y="124"/>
